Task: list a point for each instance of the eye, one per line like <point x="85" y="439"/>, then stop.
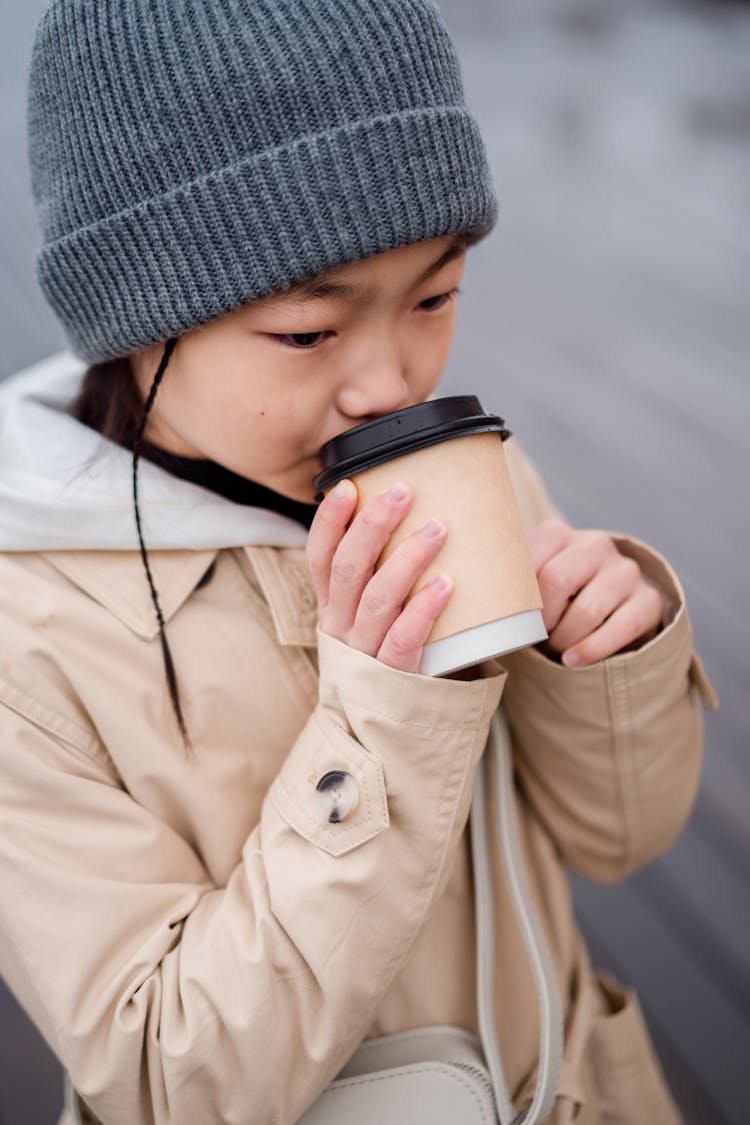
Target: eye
<point x="301" y="340"/>
<point x="432" y="304"/>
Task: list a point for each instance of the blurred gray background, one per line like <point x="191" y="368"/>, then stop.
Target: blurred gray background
<point x="608" y="319"/>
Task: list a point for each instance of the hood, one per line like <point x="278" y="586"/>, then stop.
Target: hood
<point x="65" y="487"/>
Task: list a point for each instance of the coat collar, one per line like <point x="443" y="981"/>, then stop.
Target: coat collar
<point x="117" y="581"/>
<point x="284" y="579"/>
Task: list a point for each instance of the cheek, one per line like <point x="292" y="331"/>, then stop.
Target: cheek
<point x="270" y="433"/>
<point x="281" y="418"/>
<point x="429" y="352"/>
<point x="212" y="420"/>
<point x="258" y="427"/>
<point x="228" y="403"/>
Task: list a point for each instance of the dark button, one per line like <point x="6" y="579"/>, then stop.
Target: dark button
<point x="336" y="796"/>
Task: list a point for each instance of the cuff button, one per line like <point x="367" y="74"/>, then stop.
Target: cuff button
<point x="336" y="796"/>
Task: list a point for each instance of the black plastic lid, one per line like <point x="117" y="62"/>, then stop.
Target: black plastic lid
<point x="404" y="431"/>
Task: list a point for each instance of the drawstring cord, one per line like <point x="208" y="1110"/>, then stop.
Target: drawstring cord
<point x="137" y="449"/>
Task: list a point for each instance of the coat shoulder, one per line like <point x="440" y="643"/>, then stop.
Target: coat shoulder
<point x="29" y="591"/>
<point x="34" y="687"/>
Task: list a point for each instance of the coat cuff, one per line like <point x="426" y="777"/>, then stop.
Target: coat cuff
<point x="352" y="682"/>
<point x="650" y="659"/>
<point x="397" y="735"/>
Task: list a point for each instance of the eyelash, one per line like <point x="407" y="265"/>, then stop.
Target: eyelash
<point x="441" y="300"/>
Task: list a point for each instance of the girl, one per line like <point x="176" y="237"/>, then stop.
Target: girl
<point x="255" y="217"/>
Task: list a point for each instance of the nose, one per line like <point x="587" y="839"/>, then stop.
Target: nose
<point x="377" y="385"/>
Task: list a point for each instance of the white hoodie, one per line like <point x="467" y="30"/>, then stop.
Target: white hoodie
<point x="65" y="487"/>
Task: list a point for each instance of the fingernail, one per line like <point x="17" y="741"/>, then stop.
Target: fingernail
<point x="432" y="529"/>
<point x="442" y="582"/>
<point x="397" y="492"/>
<point x="343" y="490"/>
<point x="570" y="659"/>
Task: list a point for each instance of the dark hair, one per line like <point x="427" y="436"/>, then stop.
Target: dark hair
<point x="110" y="402"/>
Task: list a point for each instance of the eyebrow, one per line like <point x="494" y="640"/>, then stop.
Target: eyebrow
<point x="318" y="289"/>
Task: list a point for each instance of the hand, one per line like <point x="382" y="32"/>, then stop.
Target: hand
<point x="365" y="609"/>
<point x="596" y="601"/>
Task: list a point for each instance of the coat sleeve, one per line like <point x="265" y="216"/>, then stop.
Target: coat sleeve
<point x="170" y="999"/>
<point x="609" y="756"/>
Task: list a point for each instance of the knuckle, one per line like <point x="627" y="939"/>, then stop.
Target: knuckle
<point x="555" y="533"/>
<point x="633" y="618"/>
<point x="400" y="643"/>
<point x="344" y="571"/>
<point x="590" y="651"/>
<point x="628" y="568"/>
<point x="636" y="626"/>
<point x="375" y="603"/>
<point x="555" y="577"/>
<point x="556" y="526"/>
<point x="601" y="541"/>
<point x="373" y="517"/>
<point x="590" y="611"/>
<point x="596" y="545"/>
<point x="416" y="551"/>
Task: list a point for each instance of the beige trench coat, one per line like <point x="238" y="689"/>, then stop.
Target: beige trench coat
<point x="196" y="943"/>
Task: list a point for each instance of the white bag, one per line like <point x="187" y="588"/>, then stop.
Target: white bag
<point x="433" y="1074"/>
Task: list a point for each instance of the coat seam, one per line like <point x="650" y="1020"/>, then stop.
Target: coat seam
<point x="42" y="716"/>
<point x="623" y="755"/>
<point x="636" y="805"/>
<point x="460" y="728"/>
<point x="442" y="856"/>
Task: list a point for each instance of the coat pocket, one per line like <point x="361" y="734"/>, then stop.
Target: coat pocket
<point x="629" y="1086"/>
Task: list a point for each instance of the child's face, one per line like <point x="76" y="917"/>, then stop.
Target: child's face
<point x="260" y="389"/>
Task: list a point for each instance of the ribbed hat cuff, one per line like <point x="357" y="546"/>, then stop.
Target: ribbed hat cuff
<point x="264" y="223"/>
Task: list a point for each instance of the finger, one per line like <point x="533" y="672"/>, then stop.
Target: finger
<point x="567" y="572"/>
<point x="355" y="557"/>
<point x="548" y="539"/>
<point x="636" y="617"/>
<point x="327" y="528"/>
<point x="599" y="598"/>
<point x="387" y="590"/>
<point x="404" y="641"/>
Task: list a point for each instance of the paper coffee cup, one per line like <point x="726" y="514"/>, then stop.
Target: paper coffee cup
<point x="451" y="454"/>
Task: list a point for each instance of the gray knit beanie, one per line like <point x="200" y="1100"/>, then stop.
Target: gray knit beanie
<point x="188" y="156"/>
